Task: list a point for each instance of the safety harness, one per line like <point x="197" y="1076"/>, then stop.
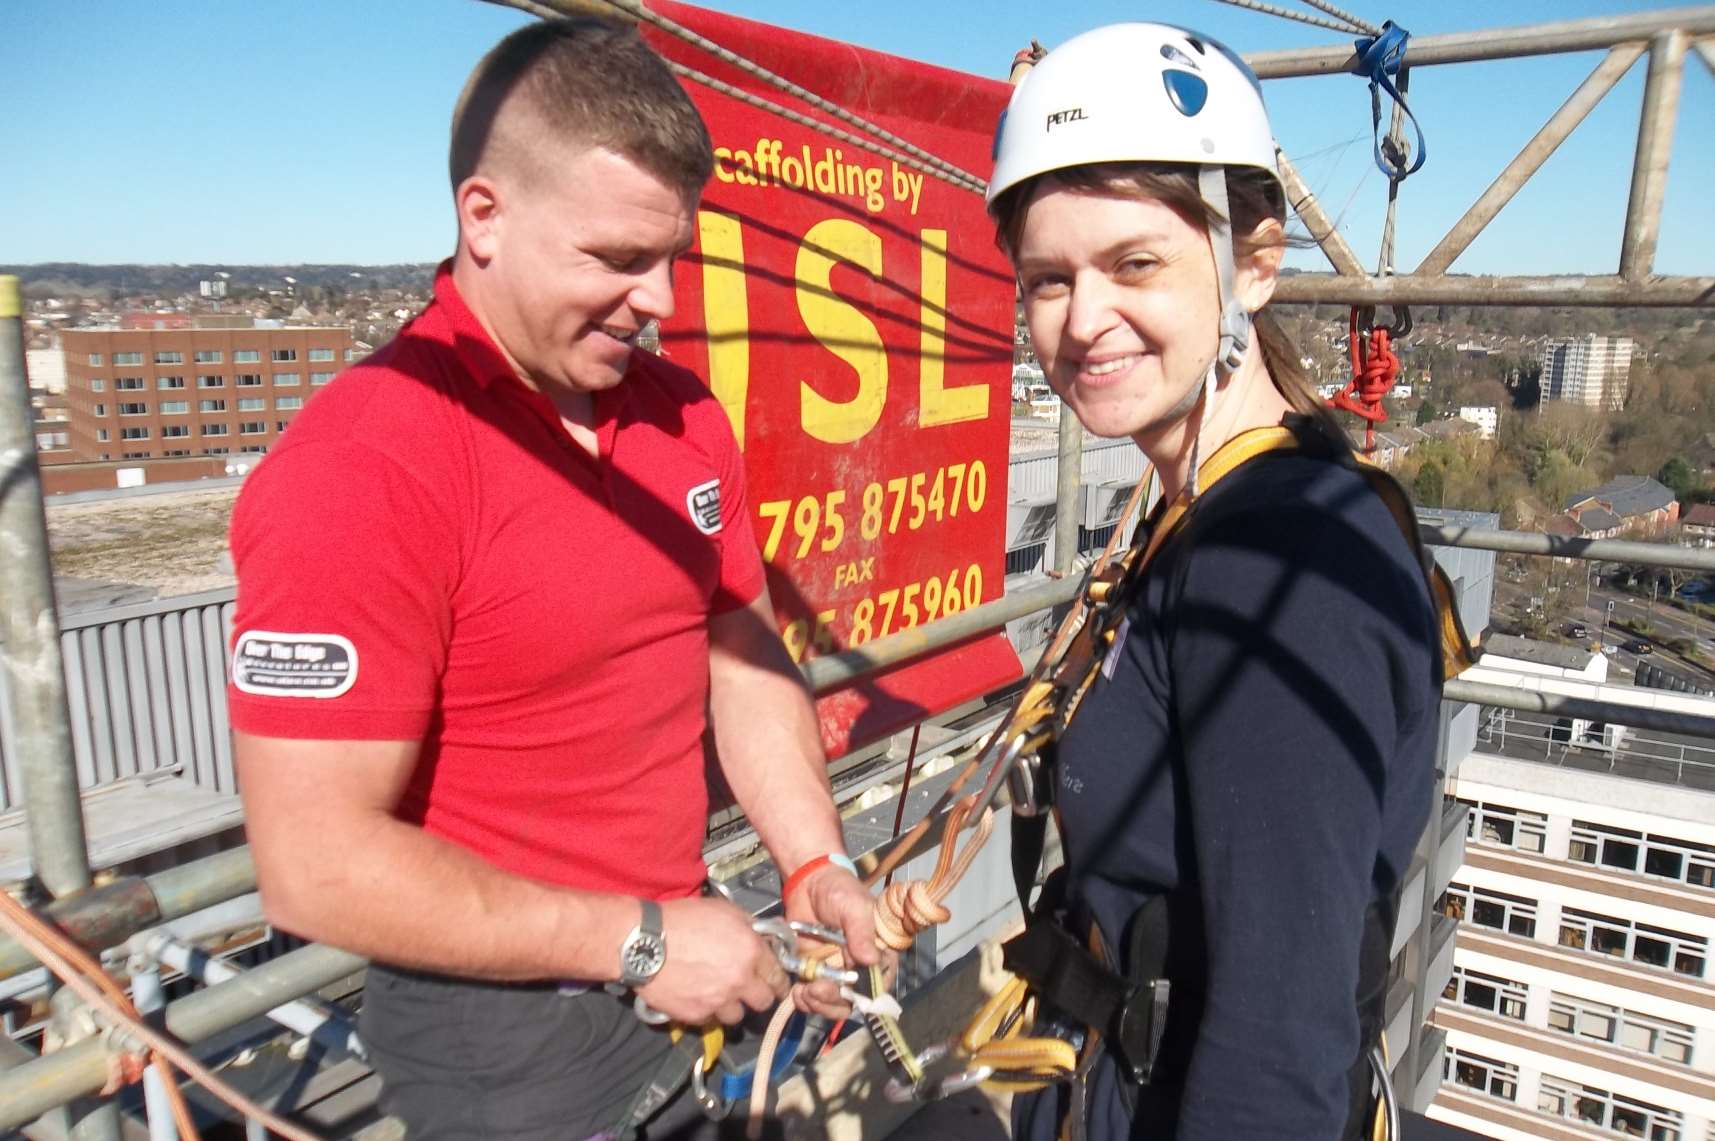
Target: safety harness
<point x="1065" y="1004"/>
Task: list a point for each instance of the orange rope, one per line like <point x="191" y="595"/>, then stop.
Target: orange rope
<point x="84" y="975"/>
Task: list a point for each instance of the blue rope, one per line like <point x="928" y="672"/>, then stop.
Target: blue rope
<point x="1380" y="57"/>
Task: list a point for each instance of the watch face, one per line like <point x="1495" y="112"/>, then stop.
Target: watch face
<point x="644" y="956"/>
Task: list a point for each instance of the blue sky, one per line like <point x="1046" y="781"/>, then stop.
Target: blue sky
<point x="314" y="130"/>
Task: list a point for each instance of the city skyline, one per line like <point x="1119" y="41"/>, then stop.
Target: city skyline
<point x="315" y="133"/>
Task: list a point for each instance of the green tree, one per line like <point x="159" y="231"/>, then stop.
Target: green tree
<point x="1678" y="475"/>
<point x="1430" y="486"/>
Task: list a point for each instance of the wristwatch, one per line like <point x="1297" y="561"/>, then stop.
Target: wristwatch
<point x="644" y="951"/>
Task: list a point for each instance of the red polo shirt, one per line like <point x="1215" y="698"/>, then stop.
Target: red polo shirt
<point x="428" y="556"/>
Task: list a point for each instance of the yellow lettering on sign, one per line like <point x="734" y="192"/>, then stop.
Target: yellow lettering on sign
<point x="938" y="404"/>
<point x="726" y="313"/>
<point x="842" y="329"/>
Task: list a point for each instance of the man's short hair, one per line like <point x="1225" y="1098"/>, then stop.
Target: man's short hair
<point x="578" y="83"/>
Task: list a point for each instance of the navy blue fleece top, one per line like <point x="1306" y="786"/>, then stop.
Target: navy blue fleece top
<point x="1260" y="745"/>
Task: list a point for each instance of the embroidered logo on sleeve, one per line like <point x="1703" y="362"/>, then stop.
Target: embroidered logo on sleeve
<point x="293" y="665"/>
<point x="704" y="503"/>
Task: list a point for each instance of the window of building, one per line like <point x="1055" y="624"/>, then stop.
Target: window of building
<point x="1485" y="1075"/>
<point x="129" y="383"/>
<point x="214" y="429"/>
<point x="320" y="377"/>
<point x="134" y="433"/>
<point x="1661" y="857"/>
<point x="321" y="354"/>
<point x="177" y="452"/>
<point x="211" y="382"/>
<point x="216" y="451"/>
<point x="1510" y="913"/>
<point x="288" y="403"/>
<point x="100" y="410"/>
<point x="253" y="428"/>
<point x="1588" y="1019"/>
<point x="255" y="449"/>
<point x="249" y="380"/>
<point x="169" y="356"/>
<point x="285" y="355"/>
<point x="1507" y="827"/>
<point x="1486" y="992"/>
<point x="95" y="359"/>
<point x="247" y="356"/>
<point x="1637" y="942"/>
<point x="350" y="355"/>
<point x="252" y="404"/>
<point x="175" y="407"/>
<point x="137" y="455"/>
<point x="98" y="385"/>
<point x="138" y="409"/>
<point x="127" y="358"/>
<point x="172" y="431"/>
<point x="287" y="379"/>
<point x="211" y="406"/>
<point x="282" y="425"/>
<point x="209" y="356"/>
<point x="101" y="436"/>
<point x="169" y="382"/>
<point x="1561" y="1097"/>
<point x="52" y="441"/>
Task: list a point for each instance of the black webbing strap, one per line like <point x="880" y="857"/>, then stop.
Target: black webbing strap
<point x="667" y="1080"/>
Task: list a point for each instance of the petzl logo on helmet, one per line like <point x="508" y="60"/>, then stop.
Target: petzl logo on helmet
<point x="1061" y="118"/>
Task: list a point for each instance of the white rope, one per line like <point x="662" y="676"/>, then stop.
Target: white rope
<point x="1301" y="17"/>
<point x="925" y="162"/>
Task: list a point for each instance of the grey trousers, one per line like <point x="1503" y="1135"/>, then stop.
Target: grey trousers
<point x="462" y="1059"/>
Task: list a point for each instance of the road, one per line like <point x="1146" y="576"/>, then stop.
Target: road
<point x="1589" y="605"/>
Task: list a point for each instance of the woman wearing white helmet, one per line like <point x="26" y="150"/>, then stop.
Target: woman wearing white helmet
<point x="1242" y="788"/>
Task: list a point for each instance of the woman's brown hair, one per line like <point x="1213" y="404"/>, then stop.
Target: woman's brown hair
<point x="1252" y="196"/>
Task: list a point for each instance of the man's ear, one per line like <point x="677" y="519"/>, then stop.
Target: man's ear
<point x="1255" y="276"/>
<point x="478" y="203"/>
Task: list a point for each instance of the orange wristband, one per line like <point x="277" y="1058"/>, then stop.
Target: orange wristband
<point x="804" y="872"/>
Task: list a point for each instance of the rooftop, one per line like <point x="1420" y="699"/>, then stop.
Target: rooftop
<point x="1541" y="653"/>
<point x="1626" y="495"/>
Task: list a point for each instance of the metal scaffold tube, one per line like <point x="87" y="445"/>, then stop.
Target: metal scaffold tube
<point x="1655" y="147"/>
<point x="1595" y="34"/>
<point x="29" y="631"/>
<point x="32" y="1089"/>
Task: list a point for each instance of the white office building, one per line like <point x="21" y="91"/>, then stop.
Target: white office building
<point x="1591" y="371"/>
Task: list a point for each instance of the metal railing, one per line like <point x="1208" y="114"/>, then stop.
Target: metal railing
<point x="42" y="723"/>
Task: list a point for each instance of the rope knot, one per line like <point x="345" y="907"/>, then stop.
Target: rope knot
<point x="1375" y="368"/>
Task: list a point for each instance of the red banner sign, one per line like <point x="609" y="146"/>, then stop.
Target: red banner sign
<point x="855" y="319"/>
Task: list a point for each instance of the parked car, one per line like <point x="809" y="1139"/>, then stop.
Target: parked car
<point x="1577" y="630"/>
<point x="1641" y="649"/>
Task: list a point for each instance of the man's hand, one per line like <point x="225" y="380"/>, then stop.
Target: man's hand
<point x="716" y="965"/>
<point x="835" y="898"/>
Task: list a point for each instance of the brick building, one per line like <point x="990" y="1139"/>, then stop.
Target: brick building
<point x="142" y="394"/>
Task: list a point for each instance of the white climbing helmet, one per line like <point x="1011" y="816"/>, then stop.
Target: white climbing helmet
<point x="1146" y="93"/>
<point x="1133" y="93"/>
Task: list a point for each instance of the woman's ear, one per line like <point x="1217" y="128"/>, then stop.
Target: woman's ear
<point x="1256" y="274"/>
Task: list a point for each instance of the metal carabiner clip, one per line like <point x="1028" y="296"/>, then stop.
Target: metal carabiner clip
<point x="783" y="935"/>
<point x="927" y="1088"/>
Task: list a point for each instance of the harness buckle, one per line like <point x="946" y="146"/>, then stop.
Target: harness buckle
<point x="1138" y="1027"/>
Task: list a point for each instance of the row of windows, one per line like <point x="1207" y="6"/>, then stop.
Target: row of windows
<point x="1662" y="857"/>
<point x="181" y="407"/>
<point x="1581" y="930"/>
<point x="1561" y="1097"/>
<point x="215" y="356"/>
<point x="242" y="380"/>
<point x="1580" y="1017"/>
<point x="256" y="449"/>
<point x="1622" y="849"/>
<point x="173" y="431"/>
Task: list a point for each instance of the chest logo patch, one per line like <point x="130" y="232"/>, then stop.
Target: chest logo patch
<point x="293" y="665"/>
<point x="704" y="503"/>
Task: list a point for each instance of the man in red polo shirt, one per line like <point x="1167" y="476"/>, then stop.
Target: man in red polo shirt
<point x="491" y="587"/>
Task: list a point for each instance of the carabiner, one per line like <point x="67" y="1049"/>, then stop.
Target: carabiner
<point x="929" y="1089"/>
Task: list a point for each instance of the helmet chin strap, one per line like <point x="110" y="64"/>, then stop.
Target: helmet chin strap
<point x="1235" y="318"/>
